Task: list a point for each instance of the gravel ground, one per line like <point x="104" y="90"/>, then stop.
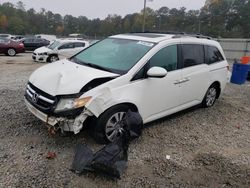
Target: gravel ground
<point x="207" y="147"/>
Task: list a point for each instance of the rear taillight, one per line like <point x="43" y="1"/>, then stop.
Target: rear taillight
<point x="20" y="44"/>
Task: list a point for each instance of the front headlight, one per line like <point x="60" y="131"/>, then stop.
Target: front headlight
<point x="70" y="104"/>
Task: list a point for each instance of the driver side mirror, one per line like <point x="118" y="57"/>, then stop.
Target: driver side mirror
<point x="157" y="72"/>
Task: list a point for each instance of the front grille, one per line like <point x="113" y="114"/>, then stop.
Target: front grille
<point x="38" y="98"/>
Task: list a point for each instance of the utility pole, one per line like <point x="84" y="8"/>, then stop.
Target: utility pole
<point x="159" y="16"/>
<point x="144" y="16"/>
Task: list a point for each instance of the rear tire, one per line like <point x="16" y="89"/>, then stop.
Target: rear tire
<point x="106" y="128"/>
<point x="11" y="52"/>
<point x="211" y="96"/>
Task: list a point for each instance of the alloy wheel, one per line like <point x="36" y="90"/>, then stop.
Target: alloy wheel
<point x="211" y="96"/>
<point x="114" y="126"/>
<point x="11" y="52"/>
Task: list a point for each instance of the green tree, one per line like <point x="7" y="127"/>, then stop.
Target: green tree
<point x="20" y="5"/>
<point x="3" y="22"/>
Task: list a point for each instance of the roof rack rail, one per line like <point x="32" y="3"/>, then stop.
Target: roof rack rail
<point x="200" y="36"/>
<point x="161" y="32"/>
<point x="177" y="34"/>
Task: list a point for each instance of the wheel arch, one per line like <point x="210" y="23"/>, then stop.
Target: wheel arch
<point x="218" y="86"/>
<point x="98" y="112"/>
<point x="50" y="55"/>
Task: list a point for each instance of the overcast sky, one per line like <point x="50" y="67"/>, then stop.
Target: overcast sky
<point x="101" y="8"/>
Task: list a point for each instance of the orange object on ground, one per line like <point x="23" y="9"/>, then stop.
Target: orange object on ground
<point x="245" y="59"/>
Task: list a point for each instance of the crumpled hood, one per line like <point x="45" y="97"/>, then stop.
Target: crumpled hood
<point x="65" y="77"/>
<point x="42" y="50"/>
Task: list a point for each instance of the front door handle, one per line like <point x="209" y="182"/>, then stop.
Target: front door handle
<point x="181" y="81"/>
<point x="185" y="80"/>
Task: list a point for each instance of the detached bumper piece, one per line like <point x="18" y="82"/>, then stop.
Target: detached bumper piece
<point x="111" y="160"/>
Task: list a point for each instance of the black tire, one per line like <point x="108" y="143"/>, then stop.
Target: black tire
<point x="211" y="96"/>
<point x="53" y="58"/>
<point x="99" y="129"/>
<point x="248" y="76"/>
<point x="11" y="52"/>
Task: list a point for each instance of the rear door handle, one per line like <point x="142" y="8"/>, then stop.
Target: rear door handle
<point x="177" y="82"/>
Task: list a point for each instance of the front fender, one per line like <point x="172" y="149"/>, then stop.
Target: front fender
<point x="104" y="101"/>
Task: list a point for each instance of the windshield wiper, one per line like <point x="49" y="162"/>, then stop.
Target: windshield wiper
<point x="76" y="60"/>
<point x="97" y="67"/>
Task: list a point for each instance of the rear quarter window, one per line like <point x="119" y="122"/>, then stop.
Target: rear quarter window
<point x="213" y="55"/>
<point x="66" y="46"/>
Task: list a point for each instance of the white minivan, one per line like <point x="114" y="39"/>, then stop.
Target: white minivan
<point x="59" y="49"/>
<point x="153" y="74"/>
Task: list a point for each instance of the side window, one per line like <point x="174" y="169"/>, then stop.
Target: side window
<point x="79" y="44"/>
<point x="213" y="55"/>
<point x="192" y="54"/>
<point x="66" y="46"/>
<point x="165" y="58"/>
<point x="38" y="40"/>
<point x="28" y="40"/>
<point x="141" y="74"/>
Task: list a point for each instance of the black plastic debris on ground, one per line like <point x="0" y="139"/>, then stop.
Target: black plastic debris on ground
<point x="111" y="160"/>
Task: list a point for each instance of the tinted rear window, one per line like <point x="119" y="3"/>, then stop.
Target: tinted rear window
<point x="193" y="54"/>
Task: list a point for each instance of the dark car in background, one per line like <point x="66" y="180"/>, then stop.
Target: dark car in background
<point x="10" y="47"/>
<point x="31" y="44"/>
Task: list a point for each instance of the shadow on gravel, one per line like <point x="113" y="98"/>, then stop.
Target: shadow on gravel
<point x="173" y="116"/>
<point x="205" y="170"/>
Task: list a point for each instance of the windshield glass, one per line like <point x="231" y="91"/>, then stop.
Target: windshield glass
<point x="114" y="55"/>
<point x="54" y="45"/>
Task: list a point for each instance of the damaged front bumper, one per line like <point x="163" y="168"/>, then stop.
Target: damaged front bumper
<point x="65" y="124"/>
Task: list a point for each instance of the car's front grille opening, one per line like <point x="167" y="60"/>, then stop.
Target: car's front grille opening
<point x="39" y="97"/>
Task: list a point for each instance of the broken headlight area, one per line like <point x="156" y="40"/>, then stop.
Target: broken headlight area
<point x="66" y="104"/>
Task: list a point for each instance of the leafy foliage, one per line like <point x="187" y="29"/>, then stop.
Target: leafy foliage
<point x="218" y="18"/>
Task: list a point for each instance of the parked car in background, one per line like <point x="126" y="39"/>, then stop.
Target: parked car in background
<point x="18" y="37"/>
<point x="31" y="44"/>
<point x="10" y="47"/>
<point x="50" y="38"/>
<point x="94" y="41"/>
<point x="7" y="36"/>
<point x="155" y="74"/>
<point x="59" y="49"/>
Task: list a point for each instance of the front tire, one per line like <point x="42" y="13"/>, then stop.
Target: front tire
<point x="107" y="128"/>
<point x="210" y="96"/>
<point x="53" y="58"/>
<point x="11" y="52"/>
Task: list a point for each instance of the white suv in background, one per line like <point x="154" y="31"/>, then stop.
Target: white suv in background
<point x="59" y="49"/>
<point x="154" y="74"/>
